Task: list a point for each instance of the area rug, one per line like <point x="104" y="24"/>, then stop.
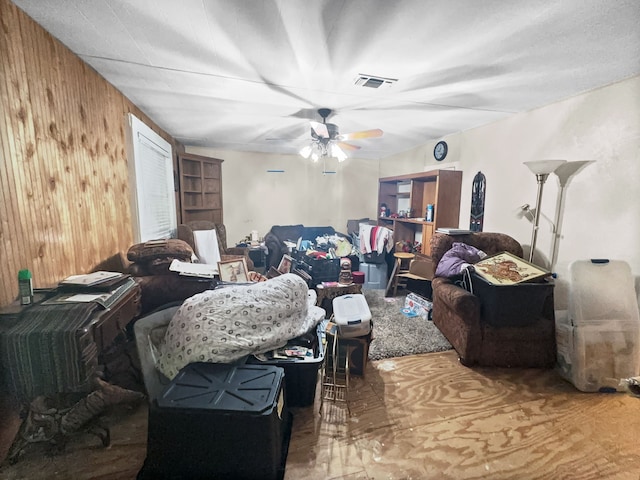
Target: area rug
<point x="396" y="335"/>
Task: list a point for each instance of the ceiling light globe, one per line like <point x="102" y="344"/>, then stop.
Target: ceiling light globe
<point x="305" y="151"/>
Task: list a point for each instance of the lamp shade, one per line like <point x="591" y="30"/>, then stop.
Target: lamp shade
<point x="544" y="167"/>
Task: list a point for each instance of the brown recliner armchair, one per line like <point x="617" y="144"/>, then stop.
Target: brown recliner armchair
<point x="185" y="232"/>
<point x="459" y="314"/>
<point x="159" y="286"/>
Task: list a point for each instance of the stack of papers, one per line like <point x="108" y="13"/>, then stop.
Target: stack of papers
<point x="91" y="279"/>
<point x="93" y="282"/>
<point x="106" y="297"/>
<point x="194" y="269"/>
<point x="453" y="231"/>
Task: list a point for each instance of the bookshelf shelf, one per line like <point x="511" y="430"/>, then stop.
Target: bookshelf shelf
<point x="412" y="193"/>
<point x="200" y="188"/>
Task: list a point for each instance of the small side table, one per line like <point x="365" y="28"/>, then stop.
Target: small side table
<point x="59" y="380"/>
<point x="327" y="293"/>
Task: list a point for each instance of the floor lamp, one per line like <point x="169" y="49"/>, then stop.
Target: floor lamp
<point x="564" y="173"/>
<point x="542" y="169"/>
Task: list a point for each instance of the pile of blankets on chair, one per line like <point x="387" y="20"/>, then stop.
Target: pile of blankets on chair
<point x="226" y="324"/>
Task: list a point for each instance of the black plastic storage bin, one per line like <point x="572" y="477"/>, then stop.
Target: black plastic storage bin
<point x="320" y="269"/>
<point x="323" y="269"/>
<point x="300" y="374"/>
<point x="511" y="305"/>
<point x="219" y="421"/>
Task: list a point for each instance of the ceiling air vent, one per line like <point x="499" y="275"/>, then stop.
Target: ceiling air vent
<point x="374" y="82"/>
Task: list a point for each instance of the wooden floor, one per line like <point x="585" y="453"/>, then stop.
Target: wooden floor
<point x="417" y="417"/>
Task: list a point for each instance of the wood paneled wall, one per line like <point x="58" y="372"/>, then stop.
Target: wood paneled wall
<point x="64" y="188"/>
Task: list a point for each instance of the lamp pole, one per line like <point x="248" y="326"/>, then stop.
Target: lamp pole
<point x="541" y="178"/>
<point x="542" y="169"/>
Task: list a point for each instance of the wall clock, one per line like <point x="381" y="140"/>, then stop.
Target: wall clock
<point x="440" y="150"/>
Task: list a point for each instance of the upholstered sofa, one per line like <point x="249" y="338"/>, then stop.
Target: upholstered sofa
<point x="461" y="315"/>
<point x="279" y="234"/>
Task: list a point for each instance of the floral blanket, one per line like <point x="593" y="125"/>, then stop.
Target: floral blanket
<point x="224" y="325"/>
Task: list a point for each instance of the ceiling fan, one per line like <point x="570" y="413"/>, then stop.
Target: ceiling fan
<point x="326" y="140"/>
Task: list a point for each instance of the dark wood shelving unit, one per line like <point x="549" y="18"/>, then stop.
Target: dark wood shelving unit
<point x="200" y="188"/>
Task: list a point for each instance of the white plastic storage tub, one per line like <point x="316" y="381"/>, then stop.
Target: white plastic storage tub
<point x="375" y="275"/>
<point x="352" y="315"/>
<point x="599" y="336"/>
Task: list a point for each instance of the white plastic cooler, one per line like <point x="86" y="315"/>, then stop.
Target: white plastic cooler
<point x="599" y="338"/>
<point x="352" y="315"/>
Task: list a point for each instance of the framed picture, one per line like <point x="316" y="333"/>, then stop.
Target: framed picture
<point x="233" y="270"/>
<point x="507" y="269"/>
<point x="273" y="272"/>
<point x="285" y="264"/>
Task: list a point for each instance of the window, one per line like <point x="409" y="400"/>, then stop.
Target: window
<point x="153" y="203"/>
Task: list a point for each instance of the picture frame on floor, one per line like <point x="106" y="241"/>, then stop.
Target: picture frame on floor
<point x="234" y="270"/>
<point x="285" y="264"/>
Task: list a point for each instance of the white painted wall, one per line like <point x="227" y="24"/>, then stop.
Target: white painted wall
<point x="600" y="215"/>
<point x="254" y="199"/>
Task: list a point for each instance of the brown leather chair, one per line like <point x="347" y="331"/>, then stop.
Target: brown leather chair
<point x="185" y="232"/>
<point x="459" y="314"/>
<point x="158" y="287"/>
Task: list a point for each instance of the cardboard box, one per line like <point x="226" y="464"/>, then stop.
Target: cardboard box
<point x="418" y="305"/>
<point x="421" y="269"/>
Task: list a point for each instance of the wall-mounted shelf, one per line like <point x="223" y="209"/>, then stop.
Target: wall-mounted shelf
<point x="441" y="188"/>
<point x="200" y="188"/>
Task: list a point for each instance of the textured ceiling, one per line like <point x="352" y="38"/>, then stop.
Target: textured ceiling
<point x="248" y="75"/>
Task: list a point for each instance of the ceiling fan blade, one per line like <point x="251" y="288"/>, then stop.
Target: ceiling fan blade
<point x="348" y="146"/>
<point x="376" y="132"/>
<point x="320" y="129"/>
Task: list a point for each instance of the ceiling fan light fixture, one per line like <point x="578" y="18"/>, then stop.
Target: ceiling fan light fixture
<point x="337" y="152"/>
<point x="326" y="140"/>
<point x="305" y="151"/>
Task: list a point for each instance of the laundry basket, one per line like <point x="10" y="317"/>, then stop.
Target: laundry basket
<point x="149" y="332"/>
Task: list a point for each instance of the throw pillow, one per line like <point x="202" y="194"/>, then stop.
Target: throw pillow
<point x="148" y="251"/>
